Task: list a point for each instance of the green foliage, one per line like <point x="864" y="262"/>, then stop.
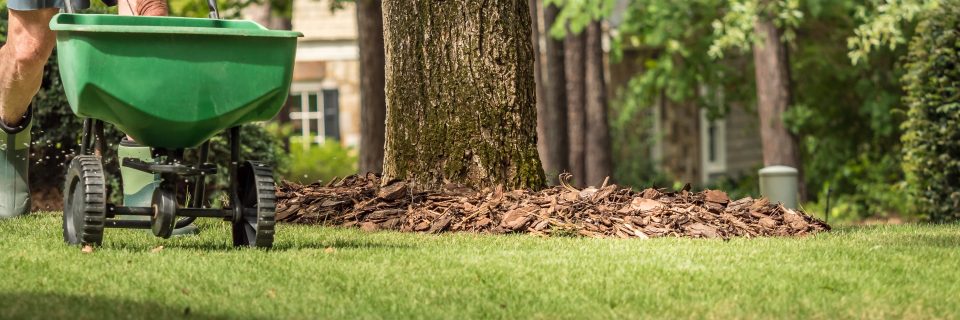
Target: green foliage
<point x="847" y="116"/>
<point x="676" y="64"/>
<point x="319" y="162"/>
<point x="883" y="25"/>
<point x="229" y="9"/>
<point x="575" y="15"/>
<point x="932" y="131"/>
<point x="735" y="30"/>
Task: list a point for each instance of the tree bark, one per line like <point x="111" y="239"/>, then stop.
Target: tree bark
<point x="774" y="97"/>
<point x="373" y="103"/>
<point x="597" y="157"/>
<point x="460" y="94"/>
<point x="554" y="136"/>
<point x="575" y="71"/>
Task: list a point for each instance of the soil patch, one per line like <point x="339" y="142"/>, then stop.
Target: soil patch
<point x="608" y="211"/>
<point x="48" y="199"/>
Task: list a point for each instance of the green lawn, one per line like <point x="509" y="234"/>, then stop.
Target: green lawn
<point x="872" y="272"/>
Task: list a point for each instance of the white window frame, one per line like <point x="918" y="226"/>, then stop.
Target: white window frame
<point x="307" y="117"/>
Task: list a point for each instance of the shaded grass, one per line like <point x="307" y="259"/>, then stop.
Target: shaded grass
<point x="869" y="272"/>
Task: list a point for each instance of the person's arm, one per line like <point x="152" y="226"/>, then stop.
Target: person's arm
<point x="142" y="7"/>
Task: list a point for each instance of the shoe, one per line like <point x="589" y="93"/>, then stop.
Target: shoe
<point x="138" y="186"/>
<point x="14" y="167"/>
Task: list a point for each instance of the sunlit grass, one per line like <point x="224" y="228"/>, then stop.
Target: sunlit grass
<point x="874" y="272"/>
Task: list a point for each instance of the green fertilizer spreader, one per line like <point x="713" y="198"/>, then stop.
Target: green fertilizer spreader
<point x="171" y="84"/>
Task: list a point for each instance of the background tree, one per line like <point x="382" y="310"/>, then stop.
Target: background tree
<point x="575" y="70"/>
<point x="553" y="132"/>
<point x="538" y="80"/>
<point x="460" y="93"/>
<point x="373" y="104"/>
<point x="597" y="149"/>
<point x="774" y="93"/>
<point x="932" y="132"/>
<point x="849" y="138"/>
<point x="930" y="151"/>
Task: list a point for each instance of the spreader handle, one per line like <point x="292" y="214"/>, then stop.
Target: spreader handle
<point x="214" y="13"/>
<point x="69" y="7"/>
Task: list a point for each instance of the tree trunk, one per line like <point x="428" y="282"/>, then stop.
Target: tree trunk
<point x="373" y="103"/>
<point x="598" y="157"/>
<point x="460" y="94"/>
<point x="575" y="71"/>
<point x="554" y="136"/>
<point x="773" y="98"/>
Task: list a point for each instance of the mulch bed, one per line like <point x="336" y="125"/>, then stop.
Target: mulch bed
<point x="608" y="211"/>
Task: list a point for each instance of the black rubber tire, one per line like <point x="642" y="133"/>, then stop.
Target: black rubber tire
<point x="165" y="215"/>
<point x="84" y="202"/>
<point x="256" y="191"/>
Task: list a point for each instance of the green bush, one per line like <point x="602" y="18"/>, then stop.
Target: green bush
<point x="319" y="162"/>
<point x="931" y="135"/>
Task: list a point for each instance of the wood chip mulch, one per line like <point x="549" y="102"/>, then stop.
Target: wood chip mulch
<point x="608" y="211"/>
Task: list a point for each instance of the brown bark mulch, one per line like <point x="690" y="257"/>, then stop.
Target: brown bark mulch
<point x="608" y="211"/>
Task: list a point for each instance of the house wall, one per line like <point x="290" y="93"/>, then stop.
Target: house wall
<point x="744" y="149"/>
<point x="317" y="22"/>
<point x="328" y="58"/>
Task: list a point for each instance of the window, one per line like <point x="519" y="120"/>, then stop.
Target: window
<point x="713" y="144"/>
<point x="316" y="112"/>
<point x="331" y="113"/>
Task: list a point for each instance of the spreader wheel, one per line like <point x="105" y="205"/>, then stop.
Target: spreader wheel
<point x="257" y="194"/>
<point x="164" y="212"/>
<point x="84" y="200"/>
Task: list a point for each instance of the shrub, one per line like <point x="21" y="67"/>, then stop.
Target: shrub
<point x="319" y="162"/>
<point x="931" y="135"/>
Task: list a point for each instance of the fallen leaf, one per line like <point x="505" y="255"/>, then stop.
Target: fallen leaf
<point x="157" y="249"/>
<point x="329" y="250"/>
<point x="87" y="249"/>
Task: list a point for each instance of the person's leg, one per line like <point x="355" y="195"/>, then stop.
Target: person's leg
<point x="29" y="43"/>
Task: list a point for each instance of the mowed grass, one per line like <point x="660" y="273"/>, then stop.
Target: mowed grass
<point x="314" y="272"/>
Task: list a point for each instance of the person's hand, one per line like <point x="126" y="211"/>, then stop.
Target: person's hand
<point x="151" y="8"/>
